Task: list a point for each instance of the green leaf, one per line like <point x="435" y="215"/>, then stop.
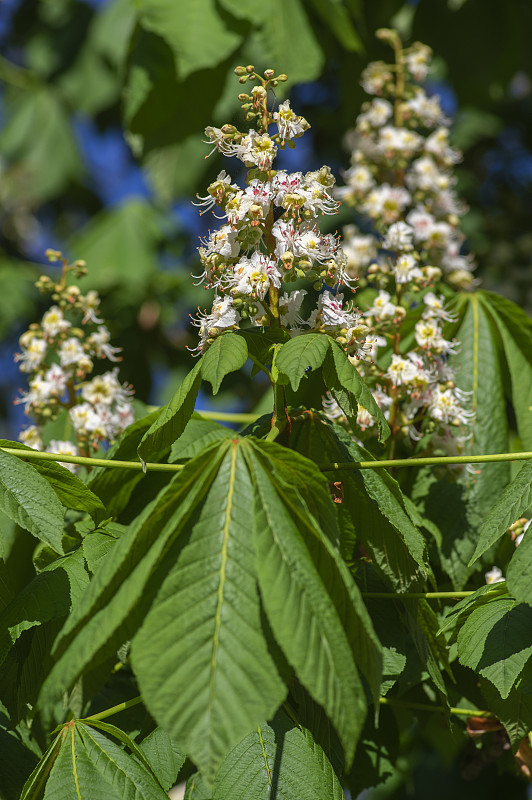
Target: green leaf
<point x="335" y="15"/>
<point x="496" y="642"/>
<point x="457" y="614"/>
<point x="97" y="542"/>
<point x="198" y="434"/>
<point x="50" y="595"/>
<point x="279" y="760"/>
<point x="226" y="354"/>
<point x="520" y="569"/>
<point x="511" y="504"/>
<point x="515" y="328"/>
<point x="290" y="43"/>
<point x="70" y="490"/>
<point x="477" y="370"/>
<point x="198" y="35"/>
<point x="349" y="390"/>
<point x="201" y="653"/>
<point x="197" y="789"/>
<point x="303" y="618"/>
<point x="296" y="356"/>
<point x="33" y="788"/>
<point x="171" y="422"/>
<point x="376" y="755"/>
<point x="164" y="756"/>
<point x="89" y="765"/>
<point x="514" y="711"/>
<point x="112" y="608"/>
<point x="29" y="500"/>
<point x="305" y="493"/>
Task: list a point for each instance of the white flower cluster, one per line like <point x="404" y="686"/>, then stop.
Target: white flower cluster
<point x="401" y="178"/>
<point x="58" y="354"/>
<point x="270" y="235"/>
<point x="402" y="173"/>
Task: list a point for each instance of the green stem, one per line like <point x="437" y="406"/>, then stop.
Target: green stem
<point x="108" y="712"/>
<point x="466" y="712"/>
<point x="223" y="416"/>
<point x="261" y="366"/>
<point x="281" y="424"/>
<point x="90" y="462"/>
<point x="417" y="595"/>
<point x="422" y="462"/>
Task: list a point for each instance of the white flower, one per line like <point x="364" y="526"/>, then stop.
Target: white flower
<point x="89" y="304"/>
<point x="401" y="140"/>
<point x="223" y="241"/>
<point x="445" y="406"/>
<point x="398" y="237"/>
<point x="359" y="250"/>
<point x="290" y="306"/>
<point x="99" y="341"/>
<point x="427" y="109"/>
<point x="494" y="576"/>
<point x="105" y="389"/>
<point x="406" y="269"/>
<point x="378" y="113"/>
<point x="290" y="126"/>
<point x="331" y="314"/>
<point x="70" y="352"/>
<point x="53" y="322"/>
<point x="253" y="276"/>
<point x="382" y="308"/>
<point x="84" y="417"/>
<point x="57" y="379"/>
<point x="359" y="180"/>
<point x="418" y="61"/>
<point x="40" y="393"/>
<point x="33" y="353"/>
<point x="31" y="436"/>
<point x="256" y="148"/>
<point x="436" y="307"/>
<point x="387" y="202"/>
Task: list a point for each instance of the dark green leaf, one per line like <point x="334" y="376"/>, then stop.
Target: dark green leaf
<point x="171" y="423"/>
<point x="515" y="499"/>
<point x="226" y="354"/>
<point x="198" y="434"/>
<point x="70" y="490"/>
<point x="29" y="500"/>
<point x="514" y="711"/>
<point x="519" y="572"/>
<point x="496" y="641"/>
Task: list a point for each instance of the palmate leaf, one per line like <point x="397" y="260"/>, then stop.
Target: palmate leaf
<point x="172" y="420"/>
<point x="197" y="789"/>
<point x="300" y="354"/>
<point x="278" y="761"/>
<point x="515" y="500"/>
<point x="198" y="434"/>
<point x="305" y="493"/>
<point x="28" y="499"/>
<point x="496" y="641"/>
<point x="118" y="594"/>
<point x="89" y="766"/>
<point x="301" y="613"/>
<point x="226" y="354"/>
<point x="70" y="490"/>
<point x="201" y="654"/>
<point x="458" y="613"/>
<point x="348" y="388"/>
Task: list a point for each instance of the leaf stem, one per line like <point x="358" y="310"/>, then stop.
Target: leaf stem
<point x="108" y="712"/>
<point x="467" y="712"/>
<point x="264" y="369"/>
<point x="418" y="595"/>
<point x="419" y="462"/>
<point x="90" y="462"/>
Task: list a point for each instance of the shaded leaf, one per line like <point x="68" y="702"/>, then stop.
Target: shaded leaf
<point x="511" y="504"/>
<point x="296" y="356"/>
<point x="496" y="641"/>
<point x="519" y="571"/>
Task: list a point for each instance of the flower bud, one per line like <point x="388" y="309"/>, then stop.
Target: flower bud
<point x="269" y="73"/>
